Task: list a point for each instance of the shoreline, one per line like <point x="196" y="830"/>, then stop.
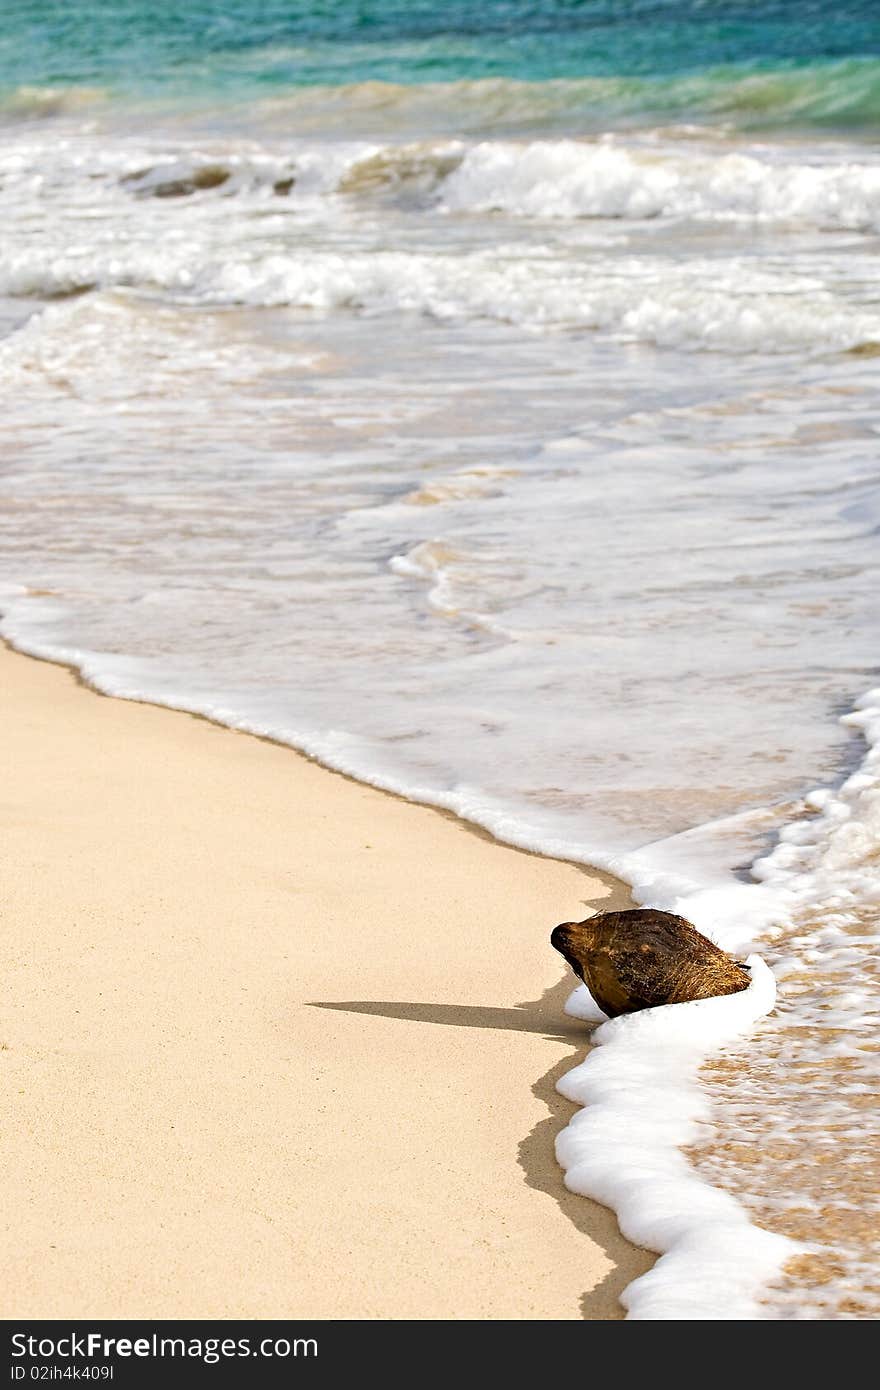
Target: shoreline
<point x="226" y="1099"/>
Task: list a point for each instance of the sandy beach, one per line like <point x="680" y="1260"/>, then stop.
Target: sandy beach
<point x="276" y="1044"/>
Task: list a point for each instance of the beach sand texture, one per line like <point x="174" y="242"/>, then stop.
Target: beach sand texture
<point x="265" y="1043"/>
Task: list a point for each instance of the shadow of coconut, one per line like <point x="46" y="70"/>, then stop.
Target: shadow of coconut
<point x="536" y="1152"/>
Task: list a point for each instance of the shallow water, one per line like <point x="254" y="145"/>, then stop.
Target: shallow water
<point x="499" y="434"/>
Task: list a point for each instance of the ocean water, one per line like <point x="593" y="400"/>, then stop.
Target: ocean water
<point x="488" y="406"/>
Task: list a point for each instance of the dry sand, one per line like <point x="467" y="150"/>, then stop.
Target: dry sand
<point x="264" y="1039"/>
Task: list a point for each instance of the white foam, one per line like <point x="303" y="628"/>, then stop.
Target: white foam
<point x="567" y="178"/>
<point x="722" y="308"/>
<point x="78" y="216"/>
<point x="829" y="860"/>
<point x="705" y="306"/>
<point x="641" y="1104"/>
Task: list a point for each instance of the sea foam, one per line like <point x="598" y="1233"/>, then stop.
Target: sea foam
<point x="225" y="224"/>
<point x="708" y="306"/>
<point x="641" y="1105"/>
<point x="570" y="179"/>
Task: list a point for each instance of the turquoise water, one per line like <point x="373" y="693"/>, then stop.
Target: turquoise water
<point x="794" y="62"/>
